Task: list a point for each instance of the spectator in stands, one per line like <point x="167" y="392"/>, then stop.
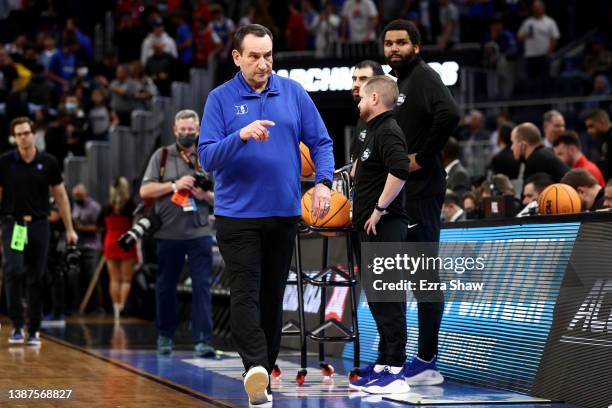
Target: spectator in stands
<point x="473" y="127"/>
<point x="224" y="28"/>
<point x="144" y="87"/>
<point x="40" y="89"/>
<point x="157" y="38"/>
<point x="128" y="39"/>
<point x="133" y="8"/>
<point x="207" y="42"/>
<point x="392" y="9"/>
<point x="295" y="34"/>
<point x="101" y="118"/>
<point x="598" y="126"/>
<point x="469" y="205"/>
<point x="78" y="125"/>
<point x="116" y="218"/>
<point x="64" y="63"/>
<point x="591" y="194"/>
<point x="553" y="124"/>
<point x="123" y="100"/>
<point x="310" y="19"/>
<point x="18" y="46"/>
<point x="162" y="66"/>
<point x="601" y="87"/>
<point x="534" y="185"/>
<point x="201" y="8"/>
<point x="451" y="210"/>
<point x="599" y="59"/>
<point x="527" y="146"/>
<point x="539" y="34"/>
<point x="359" y="21"/>
<point x="83" y="39"/>
<point x="104" y="71"/>
<point x="503" y="162"/>
<point x="500" y="51"/>
<point x="48" y="51"/>
<point x="327" y="29"/>
<point x="608" y="195"/>
<point x="184" y="43"/>
<point x="449" y="23"/>
<point x="85" y="213"/>
<point x="567" y="148"/>
<point x="457" y="177"/>
<point x="56" y="138"/>
<point x="8" y="75"/>
<point x="249" y="16"/>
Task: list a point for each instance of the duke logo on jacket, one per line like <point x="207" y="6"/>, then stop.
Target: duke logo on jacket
<point x="241" y="109"/>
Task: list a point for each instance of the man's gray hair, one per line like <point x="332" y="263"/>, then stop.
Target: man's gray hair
<point x="187" y="114"/>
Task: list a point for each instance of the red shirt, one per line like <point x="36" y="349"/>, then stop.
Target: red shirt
<point x="584" y="163"/>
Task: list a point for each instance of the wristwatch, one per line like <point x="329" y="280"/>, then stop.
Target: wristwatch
<point x="379" y="208"/>
<point x="326" y="182"/>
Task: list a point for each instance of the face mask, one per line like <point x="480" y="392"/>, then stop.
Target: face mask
<point x="70" y="107"/>
<point x="187" y="139"/>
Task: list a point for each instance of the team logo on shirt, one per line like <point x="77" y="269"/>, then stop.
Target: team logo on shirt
<point x="362" y="135"/>
<point x="241" y="109"/>
<point x="365" y="155"/>
<point x="39" y="166"/>
<point x="400" y="99"/>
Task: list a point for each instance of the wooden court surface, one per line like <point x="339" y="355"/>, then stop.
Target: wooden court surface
<point x="94" y="382"/>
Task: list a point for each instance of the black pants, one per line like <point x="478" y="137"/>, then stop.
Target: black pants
<point x="28" y="265"/>
<point x="257" y="254"/>
<point x="390" y="317"/>
<point x="425" y="213"/>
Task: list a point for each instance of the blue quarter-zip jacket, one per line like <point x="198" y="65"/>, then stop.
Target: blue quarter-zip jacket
<point x="261" y="179"/>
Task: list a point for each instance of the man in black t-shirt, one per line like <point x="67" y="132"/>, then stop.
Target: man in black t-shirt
<point x="26" y="176"/>
<point x="380" y="171"/>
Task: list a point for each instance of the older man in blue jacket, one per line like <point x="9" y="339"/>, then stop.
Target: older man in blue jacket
<point x="251" y="130"/>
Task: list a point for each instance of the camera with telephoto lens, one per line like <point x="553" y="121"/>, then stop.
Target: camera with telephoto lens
<point x="148" y="224"/>
<point x="202" y="180"/>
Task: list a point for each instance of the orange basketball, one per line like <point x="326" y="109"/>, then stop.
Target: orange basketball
<point x="339" y="214"/>
<point x="559" y="199"/>
<point x="307" y="165"/>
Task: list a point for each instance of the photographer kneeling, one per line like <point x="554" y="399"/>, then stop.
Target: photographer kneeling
<point x="183" y="196"/>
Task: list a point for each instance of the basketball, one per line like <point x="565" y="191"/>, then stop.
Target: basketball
<point x="307" y="165"/>
<point x="559" y="199"/>
<point x="338" y="215"/>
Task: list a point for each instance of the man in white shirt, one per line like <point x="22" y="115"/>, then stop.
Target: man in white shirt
<point x="451" y="210"/>
<point x="157" y="35"/>
<point x="360" y="17"/>
<point x="540" y="35"/>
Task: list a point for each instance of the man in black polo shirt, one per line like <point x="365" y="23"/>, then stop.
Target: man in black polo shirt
<point x="528" y="146"/>
<point x="26" y="176"/>
<point x="427" y="114"/>
<point x="381" y="170"/>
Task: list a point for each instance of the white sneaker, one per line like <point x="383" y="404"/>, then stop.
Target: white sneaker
<point x="256" y="385"/>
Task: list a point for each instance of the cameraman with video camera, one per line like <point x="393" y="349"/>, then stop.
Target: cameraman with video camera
<point x="183" y="197"/>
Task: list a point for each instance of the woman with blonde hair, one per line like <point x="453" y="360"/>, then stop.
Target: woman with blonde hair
<point x="116" y="218"/>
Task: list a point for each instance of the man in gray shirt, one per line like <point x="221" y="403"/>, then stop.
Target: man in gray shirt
<point x="183" y="208"/>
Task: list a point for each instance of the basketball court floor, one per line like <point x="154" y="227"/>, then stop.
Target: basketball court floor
<point x="105" y="365"/>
